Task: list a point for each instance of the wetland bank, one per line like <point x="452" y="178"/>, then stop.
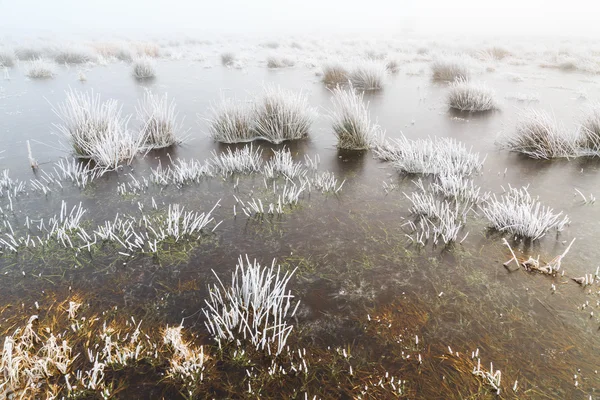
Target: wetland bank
<point x="299" y="217"/>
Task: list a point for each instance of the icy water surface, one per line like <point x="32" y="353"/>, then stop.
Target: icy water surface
<point x="362" y="284"/>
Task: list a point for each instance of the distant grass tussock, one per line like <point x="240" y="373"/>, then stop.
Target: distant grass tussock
<point x="335" y="74"/>
<point x="7" y="57"/>
<point x="160" y="125"/>
<point x="392" y="66"/>
<point x="40" y="69"/>
<point x="144" y="68"/>
<point x="352" y="123"/>
<point x="450" y="68"/>
<point x="279" y="62"/>
<point x="227" y="59"/>
<point x="119" y="50"/>
<point x="468" y="96"/>
<point x="70" y="54"/>
<point x="368" y="75"/>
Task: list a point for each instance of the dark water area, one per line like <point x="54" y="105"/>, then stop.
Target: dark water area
<point x="355" y="263"/>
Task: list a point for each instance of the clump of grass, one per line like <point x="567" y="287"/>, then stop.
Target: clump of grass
<point x="7" y="57"/>
<point x="279" y="62"/>
<point x="392" y="66"/>
<point x="368" y="75"/>
<point x="281" y="115"/>
<point x="70" y="54"/>
<point x="160" y="125"/>
<point x="119" y="50"/>
<point x="352" y="123"/>
<point x="231" y="122"/>
<point x="40" y="68"/>
<point x="97" y="130"/>
<point x="270" y="45"/>
<point x="29" y="52"/>
<point x="539" y="135"/>
<point x="518" y="213"/>
<point x="254" y="308"/>
<point x="144" y="68"/>
<point x="496" y="52"/>
<point x="590" y="130"/>
<point x="450" y="68"/>
<point x="335" y="74"/>
<point x="228" y="59"/>
<point x="468" y="96"/>
<point x="437" y="156"/>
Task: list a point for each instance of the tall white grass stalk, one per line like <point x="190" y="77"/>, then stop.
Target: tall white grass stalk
<point x="97" y="130"/>
<point x="352" y="123"/>
<point x="254" y="308"/>
<point x="281" y="115"/>
<point x="368" y="75"/>
<point x="539" y="135"/>
<point x="32" y="161"/>
<point x="518" y="213"/>
<point x="160" y="124"/>
<point x="468" y="96"/>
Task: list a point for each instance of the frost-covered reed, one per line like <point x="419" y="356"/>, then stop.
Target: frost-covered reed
<point x="40" y="68"/>
<point x="231" y="121"/>
<point x="368" y="75"/>
<point x="160" y="124"/>
<point x="450" y="68"/>
<point x="469" y="96"/>
<point x="281" y="114"/>
<point x="282" y="163"/>
<point x="539" y="135"/>
<point x="351" y="120"/>
<point x="255" y="308"/>
<point x="181" y="172"/>
<point x="97" y="129"/>
<point x="244" y="161"/>
<point x="519" y="213"/>
<point x="437" y="156"/>
<point x="439" y="219"/>
<point x="144" y="68"/>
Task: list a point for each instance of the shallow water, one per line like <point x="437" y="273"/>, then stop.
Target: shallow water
<point x="351" y="251"/>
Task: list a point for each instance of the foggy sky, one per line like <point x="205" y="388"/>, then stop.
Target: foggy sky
<point x="504" y="17"/>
